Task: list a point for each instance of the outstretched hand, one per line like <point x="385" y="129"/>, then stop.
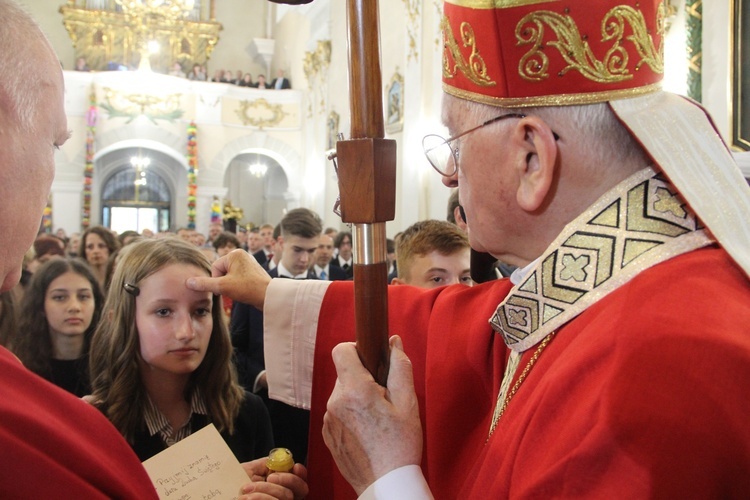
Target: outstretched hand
<point x="280" y="485"/>
<point x="238" y="276"/>
<point x="372" y="430"/>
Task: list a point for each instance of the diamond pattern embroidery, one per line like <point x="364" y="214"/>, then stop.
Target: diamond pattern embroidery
<point x="638" y="224"/>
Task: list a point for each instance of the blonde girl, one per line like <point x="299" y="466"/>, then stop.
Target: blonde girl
<point x="161" y="358"/>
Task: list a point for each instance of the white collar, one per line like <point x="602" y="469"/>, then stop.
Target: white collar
<point x="283" y="271"/>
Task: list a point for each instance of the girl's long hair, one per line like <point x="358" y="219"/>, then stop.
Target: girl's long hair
<point x="115" y="348"/>
<point x="33" y="343"/>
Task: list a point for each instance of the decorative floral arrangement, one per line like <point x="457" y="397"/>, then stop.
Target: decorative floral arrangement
<point x="231" y="212"/>
<point x="192" y="157"/>
<point x="88" y="171"/>
<point x="47" y="217"/>
<point x="216" y="211"/>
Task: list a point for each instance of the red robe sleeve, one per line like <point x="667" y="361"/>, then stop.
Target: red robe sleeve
<point x="455" y="319"/>
<point x="56" y="445"/>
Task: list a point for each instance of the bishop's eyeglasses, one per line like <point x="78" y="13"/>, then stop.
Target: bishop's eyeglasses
<point x="443" y="157"/>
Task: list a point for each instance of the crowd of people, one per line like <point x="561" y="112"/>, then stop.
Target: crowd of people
<point x="198" y="72"/>
<point x="243" y="79"/>
<point x="52" y="322"/>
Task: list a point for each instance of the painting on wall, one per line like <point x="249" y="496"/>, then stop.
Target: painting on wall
<point x="394" y="101"/>
<point x="741" y="75"/>
<point x="333" y="129"/>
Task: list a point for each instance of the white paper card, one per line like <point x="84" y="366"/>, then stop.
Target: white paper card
<point x="199" y="467"/>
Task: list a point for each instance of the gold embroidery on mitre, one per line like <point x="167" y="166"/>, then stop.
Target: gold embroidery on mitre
<point x="475" y="69"/>
<point x="640" y="223"/>
<point x="576" y="51"/>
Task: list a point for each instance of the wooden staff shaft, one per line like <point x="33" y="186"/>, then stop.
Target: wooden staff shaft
<point x="367" y="183"/>
<point x="365" y="80"/>
<point x="371" y="302"/>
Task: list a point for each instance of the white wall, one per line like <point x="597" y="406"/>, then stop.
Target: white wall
<point x="717" y="63"/>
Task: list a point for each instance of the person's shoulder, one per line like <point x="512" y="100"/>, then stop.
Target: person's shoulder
<point x="699" y="299"/>
<point x="337" y="274"/>
<point x="82" y="451"/>
<point x="251" y="402"/>
<point x="704" y="274"/>
<point x="253" y="413"/>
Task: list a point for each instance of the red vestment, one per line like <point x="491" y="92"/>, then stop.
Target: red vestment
<point x="644" y="394"/>
<point x="54" y="445"/>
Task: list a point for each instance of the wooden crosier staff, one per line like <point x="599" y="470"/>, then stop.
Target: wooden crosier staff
<point x="367" y="185"/>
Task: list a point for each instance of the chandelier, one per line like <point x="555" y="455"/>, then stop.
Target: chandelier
<point x="140" y="163"/>
<point x="258" y="169"/>
<point x="145" y="15"/>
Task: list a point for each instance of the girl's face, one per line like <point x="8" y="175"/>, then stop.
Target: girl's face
<point x="174" y="323"/>
<point x="97" y="251"/>
<point x="69" y="305"/>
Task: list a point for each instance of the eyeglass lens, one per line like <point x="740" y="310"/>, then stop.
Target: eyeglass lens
<point x="440" y="154"/>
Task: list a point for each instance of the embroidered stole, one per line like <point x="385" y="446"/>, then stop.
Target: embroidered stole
<point x="641" y="222"/>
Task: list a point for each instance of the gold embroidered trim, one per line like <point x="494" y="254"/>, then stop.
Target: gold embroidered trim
<point x="641" y="222"/>
<point x="576" y="51"/>
<point x="495" y="4"/>
<point x="551" y="100"/>
<point x="502" y="399"/>
<point x="475" y="69"/>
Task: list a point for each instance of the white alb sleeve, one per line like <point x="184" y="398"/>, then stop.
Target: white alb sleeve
<point x="290" y="323"/>
<point x="404" y="483"/>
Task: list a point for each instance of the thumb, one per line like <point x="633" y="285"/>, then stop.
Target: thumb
<point x="204" y="284"/>
<point x="400" y="376"/>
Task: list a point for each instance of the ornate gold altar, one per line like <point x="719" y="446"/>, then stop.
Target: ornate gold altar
<point x="113" y="36"/>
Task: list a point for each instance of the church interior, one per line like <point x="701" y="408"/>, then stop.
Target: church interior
<point x="156" y="147"/>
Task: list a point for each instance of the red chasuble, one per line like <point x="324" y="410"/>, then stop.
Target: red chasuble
<point x="54" y="445"/>
<point x="644" y="394"/>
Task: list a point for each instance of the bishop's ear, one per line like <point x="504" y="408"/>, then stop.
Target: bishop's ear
<point x="538" y="169"/>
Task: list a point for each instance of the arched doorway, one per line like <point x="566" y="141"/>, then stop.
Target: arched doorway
<point x="258" y="184"/>
<point x="158" y="202"/>
<point x="136" y="199"/>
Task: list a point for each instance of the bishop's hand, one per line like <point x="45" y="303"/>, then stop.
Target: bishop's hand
<point x="238" y="276"/>
<point x="372" y="430"/>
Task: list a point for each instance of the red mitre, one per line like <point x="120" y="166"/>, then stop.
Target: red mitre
<point x="514" y="53"/>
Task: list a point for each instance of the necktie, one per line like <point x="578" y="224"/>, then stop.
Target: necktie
<point x="323" y="275"/>
<point x="345" y="267"/>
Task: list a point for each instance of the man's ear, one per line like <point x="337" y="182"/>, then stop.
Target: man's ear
<point x="537" y="170"/>
<point x="397" y="281"/>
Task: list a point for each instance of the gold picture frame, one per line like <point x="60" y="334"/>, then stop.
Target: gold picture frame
<point x="740" y="75"/>
<point x="394" y="104"/>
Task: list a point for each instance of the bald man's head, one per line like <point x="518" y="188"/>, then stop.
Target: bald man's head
<point x="33" y="126"/>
